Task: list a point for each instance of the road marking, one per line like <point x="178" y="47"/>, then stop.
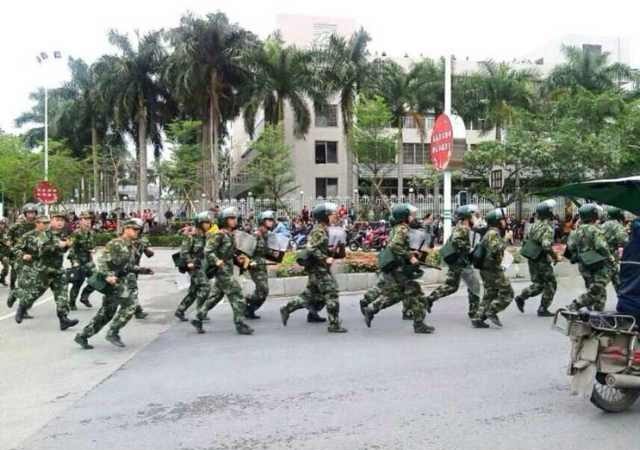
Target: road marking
<point x="44" y="300"/>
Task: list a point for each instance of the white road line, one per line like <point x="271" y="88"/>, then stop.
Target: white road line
<point x="44" y="300"/>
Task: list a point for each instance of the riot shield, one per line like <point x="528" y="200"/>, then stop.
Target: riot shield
<point x="245" y="242"/>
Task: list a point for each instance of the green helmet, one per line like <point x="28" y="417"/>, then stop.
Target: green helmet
<point x="29" y="207"/>
<point x="266" y="215"/>
<point x="322" y="211"/>
<point x="227" y="213"/>
<point x="465" y="212"/>
<point x="544" y="210"/>
<point x="494" y="217"/>
<point x="58" y="212"/>
<point x="202" y="217"/>
<point x="401" y="212"/>
<point x="43" y="218"/>
<point x="614" y="213"/>
<point x="589" y="212"/>
<point x="134" y="223"/>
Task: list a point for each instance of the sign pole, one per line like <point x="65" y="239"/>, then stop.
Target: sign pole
<point x="447" y="173"/>
<point x="46" y="141"/>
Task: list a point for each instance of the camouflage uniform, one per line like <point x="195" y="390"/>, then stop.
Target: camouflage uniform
<point x="543" y="278"/>
<point x="322" y="288"/>
<point x="498" y="292"/>
<point x="141" y="246"/>
<point x="259" y="274"/>
<point x="588" y="237"/>
<point x="460" y="240"/>
<point x="5" y="254"/>
<point x="118" y="305"/>
<point x="17" y="231"/>
<point x="44" y="271"/>
<point x="398" y="285"/>
<point x="616" y="236"/>
<point x="221" y="247"/>
<point x="82" y="265"/>
<point x="192" y="251"/>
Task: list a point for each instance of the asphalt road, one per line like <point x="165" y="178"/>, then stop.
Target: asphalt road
<point x="297" y="387"/>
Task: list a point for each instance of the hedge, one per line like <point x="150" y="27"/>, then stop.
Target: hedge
<point x="156" y="240"/>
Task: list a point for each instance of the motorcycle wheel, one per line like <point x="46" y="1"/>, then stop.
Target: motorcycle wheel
<point x="353" y="247"/>
<point x="611" y="399"/>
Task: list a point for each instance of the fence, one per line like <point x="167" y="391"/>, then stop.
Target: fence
<point x="362" y="205"/>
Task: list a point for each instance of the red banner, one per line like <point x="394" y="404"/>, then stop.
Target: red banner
<point x="441" y="142"/>
<point x="46" y="192"/>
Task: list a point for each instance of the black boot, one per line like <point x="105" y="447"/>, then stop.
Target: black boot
<point x="423" y="328"/>
<point x="139" y="313"/>
<point x="11" y="299"/>
<point x="83" y="342"/>
<point x="85" y="301"/>
<point x="250" y="313"/>
<point x="519" y="303"/>
<point x="493" y="318"/>
<point x="115" y="339"/>
<point x="314" y="317"/>
<point x="369" y="314"/>
<point x="284" y="315"/>
<point x="3" y="281"/>
<point x="197" y="324"/>
<point x="65" y="322"/>
<point x="544" y="312"/>
<point x="336" y="329"/>
<point x="180" y="315"/>
<point x="243" y="328"/>
<point x="20" y="313"/>
<point x="479" y="323"/>
<point x="407" y="315"/>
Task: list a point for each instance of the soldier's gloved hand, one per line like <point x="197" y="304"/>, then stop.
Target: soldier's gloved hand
<point x="111" y="279"/>
<point x="26" y="257"/>
<point x="329" y="261"/>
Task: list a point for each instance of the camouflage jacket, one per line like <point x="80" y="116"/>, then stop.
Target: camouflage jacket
<point x="461" y="242"/>
<point x="82" y="244"/>
<point x="30" y="244"/>
<point x="140" y="245"/>
<point x="192" y="248"/>
<point x="17" y="230"/>
<point x="221" y="247"/>
<point x="118" y="258"/>
<point x="5" y="243"/>
<point x="495" y="246"/>
<point x="399" y="242"/>
<point x="51" y="255"/>
<point x="541" y="233"/>
<point x="261" y="248"/>
<point x="588" y="237"/>
<point x="615" y="235"/>
<point x="318" y="244"/>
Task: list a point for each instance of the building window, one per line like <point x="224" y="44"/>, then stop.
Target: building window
<point x="327" y="117"/>
<point x="415" y="153"/>
<point x="409" y="122"/>
<point x="326" y="152"/>
<point x="326" y="187"/>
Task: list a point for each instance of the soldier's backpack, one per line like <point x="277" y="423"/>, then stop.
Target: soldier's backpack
<point x="387" y="260"/>
<point x="98" y="282"/>
<point x="304" y="258"/>
<point x="531" y="250"/>
<point x="448" y="253"/>
<point x="478" y="255"/>
<point x="592" y="259"/>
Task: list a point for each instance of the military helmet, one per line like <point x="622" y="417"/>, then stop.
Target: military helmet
<point x="495" y="216"/>
<point x="58" y="212"/>
<point x="86" y="215"/>
<point x="402" y="211"/>
<point x="202" y="217"/>
<point x="465" y="212"/>
<point x="614" y="213"/>
<point x="266" y="215"/>
<point x="589" y="212"/>
<point x="322" y="211"/>
<point x="29" y="207"/>
<point x="43" y="218"/>
<point x="134" y="222"/>
<point x="227" y="213"/>
<point x="544" y="210"/>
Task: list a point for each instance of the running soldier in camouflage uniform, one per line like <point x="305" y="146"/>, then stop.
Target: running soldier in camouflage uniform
<point x="616" y="236"/>
<point x="588" y="246"/>
<point x="83" y="245"/>
<point x="192" y="258"/>
<point x="399" y="277"/>
<point x="16" y="231"/>
<point x="460" y="243"/>
<point x="141" y="246"/>
<point x="220" y="256"/>
<point x="42" y="251"/>
<point x="118" y="304"/>
<point x="322" y="288"/>
<point x="258" y="268"/>
<point x="5" y="250"/>
<point x="541" y="268"/>
<point x="498" y="292"/>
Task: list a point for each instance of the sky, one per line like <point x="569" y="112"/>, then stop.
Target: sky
<point x="495" y="29"/>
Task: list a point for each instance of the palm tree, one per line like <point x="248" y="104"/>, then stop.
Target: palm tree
<point x="206" y="73"/>
<point x="130" y="82"/>
<point x="504" y="89"/>
<point x="588" y="69"/>
<point x="281" y="74"/>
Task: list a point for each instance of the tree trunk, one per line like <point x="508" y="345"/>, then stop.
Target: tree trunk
<point x="400" y="162"/>
<point x="94" y="156"/>
<point x="142" y="154"/>
<point x="214" y="122"/>
<point x="204" y="145"/>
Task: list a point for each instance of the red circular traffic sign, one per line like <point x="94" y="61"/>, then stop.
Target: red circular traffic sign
<point x="441" y="142"/>
<point x="46" y="192"/>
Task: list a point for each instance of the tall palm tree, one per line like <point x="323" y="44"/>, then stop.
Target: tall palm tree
<point x="588" y="69"/>
<point x="206" y="73"/>
<point x="130" y="82"/>
<point x="281" y="74"/>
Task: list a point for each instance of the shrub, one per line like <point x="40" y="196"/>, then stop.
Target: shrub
<point x="288" y="267"/>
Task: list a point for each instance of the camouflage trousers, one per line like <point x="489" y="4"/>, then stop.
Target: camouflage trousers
<point x="77" y="276"/>
<point x="13" y="280"/>
<point x="398" y="287"/>
<point x="614" y="271"/>
<point x="260" y="278"/>
<point x="498" y="293"/>
<point x="596" y="283"/>
<point x="6" y="263"/>
<point x="375" y="292"/>
<point x="543" y="281"/>
<point x="225" y="284"/>
<point x="452" y="284"/>
<point x="199" y="290"/>
<point x="34" y="281"/>
<point x="321" y="291"/>
<point x="117" y="307"/>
